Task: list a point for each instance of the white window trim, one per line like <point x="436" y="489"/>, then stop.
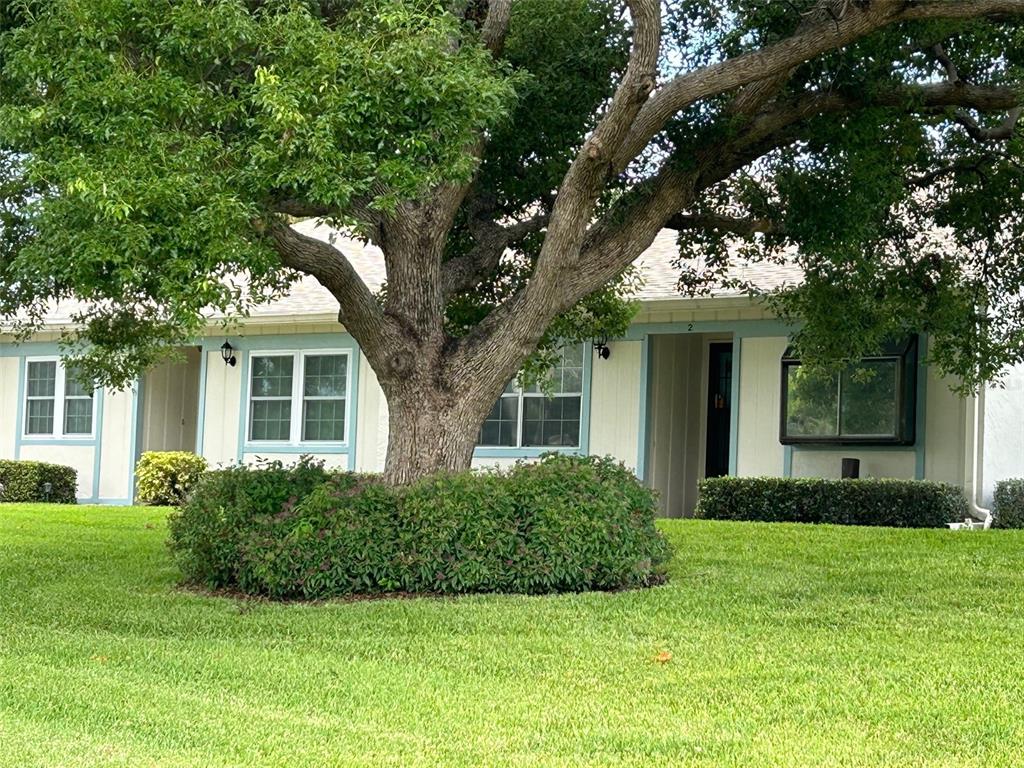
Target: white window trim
<point x="298" y="377"/>
<point x="59" y="397"/>
<point x="521" y="396"/>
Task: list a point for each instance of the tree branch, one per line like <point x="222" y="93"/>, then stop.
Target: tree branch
<point x="496" y="25"/>
<point x="359" y="312"/>
<point x="1002" y="132"/>
<point x="824" y="36"/>
<point x="492" y="240"/>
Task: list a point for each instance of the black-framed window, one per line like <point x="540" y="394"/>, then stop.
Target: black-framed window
<point x="873" y="402"/>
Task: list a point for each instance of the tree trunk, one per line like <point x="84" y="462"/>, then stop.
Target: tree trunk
<point x="429" y="431"/>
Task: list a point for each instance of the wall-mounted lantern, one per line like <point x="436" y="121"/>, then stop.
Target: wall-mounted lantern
<point x="601" y="347"/>
<point x="227" y="354"/>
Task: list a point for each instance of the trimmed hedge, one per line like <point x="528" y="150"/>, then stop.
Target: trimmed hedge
<point x="24" y="481"/>
<point x="562" y="524"/>
<point x="166" y="478"/>
<point x="1008" y="504"/>
<point x="895" y="503"/>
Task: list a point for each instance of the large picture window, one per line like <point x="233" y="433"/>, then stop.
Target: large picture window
<point x="57" y="405"/>
<point x="298" y="397"/>
<point x="870" y="403"/>
<point x="545" y="416"/>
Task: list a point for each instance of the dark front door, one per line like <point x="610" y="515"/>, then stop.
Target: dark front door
<point x="719" y="409"/>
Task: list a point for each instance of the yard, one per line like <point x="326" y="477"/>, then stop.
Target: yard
<point x="772" y="645"/>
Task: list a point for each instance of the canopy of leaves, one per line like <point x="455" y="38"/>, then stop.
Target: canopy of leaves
<point x="145" y="141"/>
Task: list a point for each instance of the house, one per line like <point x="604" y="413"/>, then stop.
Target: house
<point x="697" y="387"/>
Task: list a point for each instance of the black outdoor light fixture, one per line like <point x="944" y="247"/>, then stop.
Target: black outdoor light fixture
<point x="227" y="354"/>
<point x="601" y="347"/>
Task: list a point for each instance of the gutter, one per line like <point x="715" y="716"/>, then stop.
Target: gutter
<point x="973" y="453"/>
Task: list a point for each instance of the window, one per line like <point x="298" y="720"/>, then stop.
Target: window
<point x="56" y="402"/>
<point x="532" y="419"/>
<point x="870" y="403"/>
<point x="298" y="397"/>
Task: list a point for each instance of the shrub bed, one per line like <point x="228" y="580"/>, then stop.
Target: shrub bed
<point x="562" y="524"/>
<point x="1008" y="504"/>
<point x="25" y="481"/>
<point x="166" y="478"/>
<point x="896" y="503"/>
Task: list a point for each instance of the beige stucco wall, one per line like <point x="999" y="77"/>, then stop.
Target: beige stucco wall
<point x="223" y="400"/>
<point x="9" y="412"/>
<point x="79" y="457"/>
<point x="758" y="451"/>
<point x="371" y="421"/>
<point x="116" y="461"/>
<point x="615" y="403"/>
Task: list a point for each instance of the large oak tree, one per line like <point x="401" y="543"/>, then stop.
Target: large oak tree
<point x="511" y="158"/>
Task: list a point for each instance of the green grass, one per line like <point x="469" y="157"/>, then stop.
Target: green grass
<point x="791" y="646"/>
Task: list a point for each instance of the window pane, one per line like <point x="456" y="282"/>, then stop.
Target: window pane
<point x="42" y="378"/>
<point x="812" y="403"/>
<point x="500" y="427"/>
<point x="271" y="420"/>
<point x="78" y="416"/>
<point x="326" y="376"/>
<point x="323" y="420"/>
<point x="566" y="375"/>
<point x="40" y="417"/>
<point x="551" y="422"/>
<point x="869" y="401"/>
<point x="72" y="387"/>
<point x="272" y="376"/>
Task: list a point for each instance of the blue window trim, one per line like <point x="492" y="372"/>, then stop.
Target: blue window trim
<point x="532" y="452"/>
<point x="244" y="346"/>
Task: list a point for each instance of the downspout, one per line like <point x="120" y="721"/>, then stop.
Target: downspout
<point x="975" y="445"/>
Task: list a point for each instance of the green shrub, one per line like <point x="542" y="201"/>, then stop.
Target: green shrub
<point x="206" y="531"/>
<point x="166" y="478"/>
<point x="25" y="481"/>
<point x="563" y="524"/>
<point x="896" y="503"/>
<point x="1008" y="504"/>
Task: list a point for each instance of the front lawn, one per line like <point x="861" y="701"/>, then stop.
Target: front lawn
<point x="790" y="645"/>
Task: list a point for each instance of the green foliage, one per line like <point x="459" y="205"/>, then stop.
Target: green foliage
<point x="562" y="524"/>
<point x="25" y="481"/>
<point x="205" y="530"/>
<point x="166" y="478"/>
<point x="893" y="503"/>
<point x="1008" y="504"/>
<point x="143" y="140"/>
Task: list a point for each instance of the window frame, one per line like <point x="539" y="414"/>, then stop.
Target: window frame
<point x="297" y="398"/>
<point x="60" y="397"/>
<point x="905" y="356"/>
<point x="520" y="397"/>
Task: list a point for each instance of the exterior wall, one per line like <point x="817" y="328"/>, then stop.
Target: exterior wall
<point x="117" y="460"/>
<point x="10" y="385"/>
<point x="615" y="403"/>
<point x="221" y="399"/>
<point x="758" y="451"/>
<point x="1003" y="456"/>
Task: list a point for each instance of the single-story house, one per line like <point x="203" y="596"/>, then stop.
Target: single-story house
<point x="697" y="387"/>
